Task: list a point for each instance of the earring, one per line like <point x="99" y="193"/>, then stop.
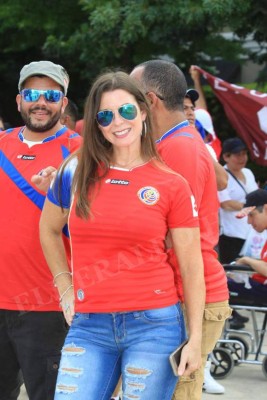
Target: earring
<point x="144" y="131"/>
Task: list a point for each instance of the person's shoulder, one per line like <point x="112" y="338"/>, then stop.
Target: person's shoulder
<point x="187" y="132"/>
<point x="248" y="172"/>
<point x="9" y="133"/>
<point x="70" y="134"/>
<point x="165" y="174"/>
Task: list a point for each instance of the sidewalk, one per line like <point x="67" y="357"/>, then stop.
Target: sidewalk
<point x="246" y="381"/>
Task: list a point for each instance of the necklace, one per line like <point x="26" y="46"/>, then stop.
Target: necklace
<point x="129" y="164"/>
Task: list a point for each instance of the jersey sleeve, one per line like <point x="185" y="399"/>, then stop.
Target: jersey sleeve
<point x="59" y="192"/>
<point x="183" y="211"/>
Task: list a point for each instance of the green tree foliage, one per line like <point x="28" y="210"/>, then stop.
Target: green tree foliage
<point x="87" y="36"/>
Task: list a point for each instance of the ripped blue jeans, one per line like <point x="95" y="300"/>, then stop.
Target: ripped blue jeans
<point x="101" y="347"/>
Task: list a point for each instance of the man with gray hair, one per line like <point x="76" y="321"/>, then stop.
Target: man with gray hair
<point x="183" y="150"/>
<point x="32" y="328"/>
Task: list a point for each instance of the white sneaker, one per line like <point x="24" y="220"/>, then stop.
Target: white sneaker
<point x="210" y="385"/>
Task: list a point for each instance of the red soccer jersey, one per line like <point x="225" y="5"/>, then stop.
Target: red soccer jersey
<point x="258" y="277"/>
<point x="184" y="151"/>
<point x="26" y="282"/>
<point x="118" y="256"/>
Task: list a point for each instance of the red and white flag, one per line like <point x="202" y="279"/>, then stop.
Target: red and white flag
<point x="247" y="112"/>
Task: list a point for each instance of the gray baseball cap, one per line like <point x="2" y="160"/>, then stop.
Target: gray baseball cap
<point x="46" y="68"/>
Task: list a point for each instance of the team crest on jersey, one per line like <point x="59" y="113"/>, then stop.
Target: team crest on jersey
<point x="148" y="195"/>
<point x="26" y="157"/>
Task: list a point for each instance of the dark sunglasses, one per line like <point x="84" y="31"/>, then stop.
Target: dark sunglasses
<point x="32" y="95"/>
<point x="127" y="111"/>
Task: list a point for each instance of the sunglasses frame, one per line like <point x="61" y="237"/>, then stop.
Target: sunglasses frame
<point x="120" y="109"/>
<point x="40" y="93"/>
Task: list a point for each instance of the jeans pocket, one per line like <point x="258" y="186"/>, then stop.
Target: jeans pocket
<point x="164" y="315"/>
<point x="78" y="316"/>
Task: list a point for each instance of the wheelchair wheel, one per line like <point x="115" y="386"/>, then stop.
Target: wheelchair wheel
<point x="264" y="366"/>
<point x="221" y="363"/>
<point x="235" y="349"/>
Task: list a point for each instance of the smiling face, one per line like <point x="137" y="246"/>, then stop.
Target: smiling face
<point x="122" y="132"/>
<point x="236" y="161"/>
<point x="41" y="116"/>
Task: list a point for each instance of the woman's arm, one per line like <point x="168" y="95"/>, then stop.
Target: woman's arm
<point x="221" y="175"/>
<point x="259" y="266"/>
<point x="186" y="243"/>
<point x="52" y="221"/>
<point x="231" y="205"/>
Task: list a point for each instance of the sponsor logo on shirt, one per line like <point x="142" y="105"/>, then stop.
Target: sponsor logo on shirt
<point x="117" y="182"/>
<point x="148" y="195"/>
<point x="26" y="157"/>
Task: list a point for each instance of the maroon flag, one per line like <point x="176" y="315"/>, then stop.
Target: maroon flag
<point x="247" y="112"/>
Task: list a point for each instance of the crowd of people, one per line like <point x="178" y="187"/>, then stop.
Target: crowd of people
<point x="110" y="237"/>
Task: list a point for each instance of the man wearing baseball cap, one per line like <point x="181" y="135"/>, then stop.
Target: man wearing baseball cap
<point x="255" y="208"/>
<point x="32" y="328"/>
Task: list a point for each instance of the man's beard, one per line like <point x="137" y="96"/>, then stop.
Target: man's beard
<point x="40" y="127"/>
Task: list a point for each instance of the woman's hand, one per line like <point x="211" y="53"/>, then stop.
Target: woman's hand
<point x="190" y="359"/>
<point x="43" y="180"/>
<point x="243" y="261"/>
<point x="67" y="304"/>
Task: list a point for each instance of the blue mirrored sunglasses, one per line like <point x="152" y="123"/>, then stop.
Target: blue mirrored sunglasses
<point x="32" y="95"/>
<point x="127" y="111"/>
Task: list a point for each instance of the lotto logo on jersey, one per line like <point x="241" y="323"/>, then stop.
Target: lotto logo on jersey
<point x="148" y="195"/>
<point x="26" y="157"/>
<point x="117" y="182"/>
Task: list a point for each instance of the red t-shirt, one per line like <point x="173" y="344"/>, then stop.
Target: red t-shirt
<point x="119" y="259"/>
<point x="26" y="282"/>
<point x="258" y="277"/>
<point x="184" y="151"/>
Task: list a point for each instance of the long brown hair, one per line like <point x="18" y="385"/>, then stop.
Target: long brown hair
<point x="96" y="151"/>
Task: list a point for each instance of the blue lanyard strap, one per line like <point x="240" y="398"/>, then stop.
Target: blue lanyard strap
<point x="172" y="130"/>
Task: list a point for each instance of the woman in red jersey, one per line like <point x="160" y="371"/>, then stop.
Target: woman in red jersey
<point x="120" y="300"/>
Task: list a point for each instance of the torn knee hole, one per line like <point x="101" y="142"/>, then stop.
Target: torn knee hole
<point x="136" y="385"/>
<point x="141" y="372"/>
<point x="67" y="389"/>
<point x="73" y="350"/>
<point x="71" y="371"/>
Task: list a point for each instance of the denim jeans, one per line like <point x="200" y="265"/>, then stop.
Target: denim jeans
<point x="30" y="342"/>
<point x="101" y="347"/>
